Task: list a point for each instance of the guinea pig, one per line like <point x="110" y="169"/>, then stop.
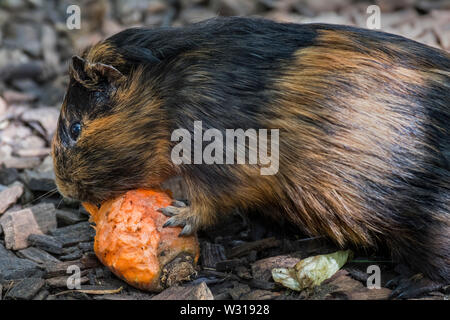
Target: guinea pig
<point x="363" y="119"/>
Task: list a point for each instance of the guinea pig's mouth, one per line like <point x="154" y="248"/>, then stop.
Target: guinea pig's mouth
<point x="72" y="191"/>
<point x="97" y="196"/>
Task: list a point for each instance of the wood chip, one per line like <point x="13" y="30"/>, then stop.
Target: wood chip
<point x="25" y="289"/>
<point x="61" y="282"/>
<point x="36" y="152"/>
<point x="45" y="242"/>
<point x="37" y="255"/>
<point x="55" y="269"/>
<point x="262" y="269"/>
<point x="228" y="265"/>
<point x="260" y="295"/>
<point x="191" y="292"/>
<point x="65" y="217"/>
<point x="351" y="289"/>
<point x="212" y="253"/>
<point x="93" y="291"/>
<point x="21" y="163"/>
<point x="74" y="234"/>
<point x="245" y="248"/>
<point x="239" y="290"/>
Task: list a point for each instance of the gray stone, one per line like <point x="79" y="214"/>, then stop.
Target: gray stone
<point x="45" y="215"/>
<point x="17" y="226"/>
<point x="33" y="152"/>
<point x="21" y="163"/>
<point x="8" y="176"/>
<point x="46" y="116"/>
<point x="10" y="196"/>
<point x="24" y="37"/>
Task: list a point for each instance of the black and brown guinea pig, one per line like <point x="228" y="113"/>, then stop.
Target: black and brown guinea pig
<point x="363" y="119"/>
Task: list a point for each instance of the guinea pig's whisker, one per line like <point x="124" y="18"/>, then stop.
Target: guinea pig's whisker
<point x="44" y="196"/>
<point x="59" y="203"/>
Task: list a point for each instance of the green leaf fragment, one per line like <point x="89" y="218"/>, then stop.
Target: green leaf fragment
<point x="312" y="271"/>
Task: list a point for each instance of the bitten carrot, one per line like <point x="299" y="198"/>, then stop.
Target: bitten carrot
<point x="132" y="243"/>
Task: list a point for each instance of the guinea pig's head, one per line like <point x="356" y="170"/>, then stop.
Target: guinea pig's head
<point x="112" y="135"/>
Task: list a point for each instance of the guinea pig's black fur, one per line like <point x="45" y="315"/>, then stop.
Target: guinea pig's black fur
<point x="363" y="119"/>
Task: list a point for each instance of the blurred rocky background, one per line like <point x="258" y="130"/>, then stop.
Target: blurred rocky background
<point x="40" y="233"/>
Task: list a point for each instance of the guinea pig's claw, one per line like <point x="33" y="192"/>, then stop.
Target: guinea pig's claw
<point x="412" y="287"/>
<point x="169" y="211"/>
<point x="187" y="231"/>
<point x="173" y="222"/>
<point x="179" y="217"/>
<point x="178" y="204"/>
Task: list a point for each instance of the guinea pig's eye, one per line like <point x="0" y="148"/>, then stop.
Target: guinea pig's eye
<point x="75" y="130"/>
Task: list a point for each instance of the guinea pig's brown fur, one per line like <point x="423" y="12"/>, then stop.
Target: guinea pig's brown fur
<point x="364" y="120"/>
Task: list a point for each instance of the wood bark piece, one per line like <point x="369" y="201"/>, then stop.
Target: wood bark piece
<point x="65" y="217"/>
<point x="37" y="255"/>
<point x="351" y="289"/>
<point x="45" y="242"/>
<point x="55" y="269"/>
<point x="191" y="292"/>
<point x="245" y="248"/>
<point x="12" y="267"/>
<point x="26" y="289"/>
<point x="212" y="253"/>
<point x="260" y="295"/>
<point x="74" y="234"/>
<point x="61" y="282"/>
<point x="262" y="269"/>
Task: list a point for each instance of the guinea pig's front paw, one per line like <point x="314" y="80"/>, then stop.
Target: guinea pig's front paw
<point x="180" y="216"/>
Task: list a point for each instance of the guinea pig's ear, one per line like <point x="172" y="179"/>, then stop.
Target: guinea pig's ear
<point x="105" y="71"/>
<point x="89" y="74"/>
<point x="77" y="69"/>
